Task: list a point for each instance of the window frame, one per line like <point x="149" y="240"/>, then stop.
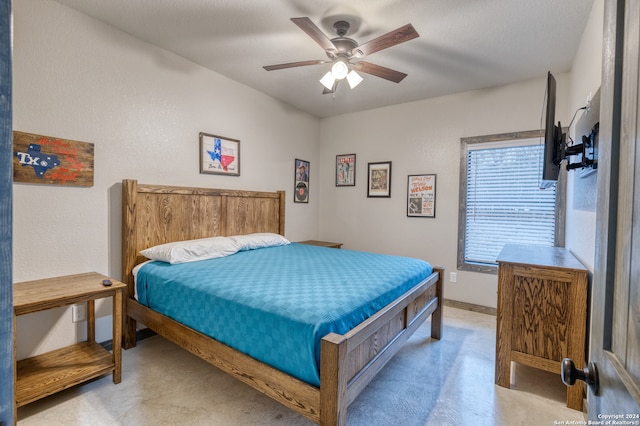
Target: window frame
<point x="465" y="143"/>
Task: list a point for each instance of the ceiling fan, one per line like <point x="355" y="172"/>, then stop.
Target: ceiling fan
<point x="345" y="53"/>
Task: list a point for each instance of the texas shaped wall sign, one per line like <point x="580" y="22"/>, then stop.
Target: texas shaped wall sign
<point x="46" y="159"/>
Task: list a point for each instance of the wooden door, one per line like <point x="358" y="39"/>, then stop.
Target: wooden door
<point x="615" y="316"/>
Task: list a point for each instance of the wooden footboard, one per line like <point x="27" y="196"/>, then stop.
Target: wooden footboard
<point x="349" y="362"/>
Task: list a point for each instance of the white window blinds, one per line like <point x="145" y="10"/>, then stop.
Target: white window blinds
<point x="504" y="204"/>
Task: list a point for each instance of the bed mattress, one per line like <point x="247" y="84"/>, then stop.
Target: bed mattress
<point x="275" y="304"/>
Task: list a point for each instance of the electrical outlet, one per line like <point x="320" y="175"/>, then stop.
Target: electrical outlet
<point x="79" y="312"/>
<point x="453" y="277"/>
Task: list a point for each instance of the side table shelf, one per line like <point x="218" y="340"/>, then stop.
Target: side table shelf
<point x="54" y="371"/>
<point x="51" y="372"/>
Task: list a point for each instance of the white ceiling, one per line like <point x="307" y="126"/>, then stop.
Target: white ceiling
<point x="463" y="44"/>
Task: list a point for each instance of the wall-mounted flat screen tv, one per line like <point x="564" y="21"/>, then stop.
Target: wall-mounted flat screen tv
<point x="553" y="137"/>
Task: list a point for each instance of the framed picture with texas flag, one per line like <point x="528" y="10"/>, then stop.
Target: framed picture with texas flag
<point x="219" y="155"/>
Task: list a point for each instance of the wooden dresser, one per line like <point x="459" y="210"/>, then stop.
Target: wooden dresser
<point x="542" y="312"/>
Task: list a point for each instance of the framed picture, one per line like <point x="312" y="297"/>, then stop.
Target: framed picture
<point x="301" y="182"/>
<point x="346" y="170"/>
<point x="421" y="196"/>
<point x="379" y="181"/>
<point x="219" y="155"/>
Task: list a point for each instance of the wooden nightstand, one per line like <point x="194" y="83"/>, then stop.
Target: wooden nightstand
<point x="321" y="243"/>
<point x="48" y="373"/>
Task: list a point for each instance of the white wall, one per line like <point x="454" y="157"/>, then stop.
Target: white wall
<point x="143" y="108"/>
<point x="585" y="79"/>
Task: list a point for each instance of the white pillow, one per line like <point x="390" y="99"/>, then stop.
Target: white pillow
<point x="191" y="250"/>
<point x="259" y="240"/>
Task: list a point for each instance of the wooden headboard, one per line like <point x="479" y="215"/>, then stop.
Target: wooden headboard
<point x="157" y="214"/>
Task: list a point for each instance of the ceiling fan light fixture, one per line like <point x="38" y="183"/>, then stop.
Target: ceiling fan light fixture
<point x="328" y="80"/>
<point x="354" y="79"/>
<point x="345" y="53"/>
<point x="339" y="70"/>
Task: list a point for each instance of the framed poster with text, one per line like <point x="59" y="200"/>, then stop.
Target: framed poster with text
<point x="421" y="196"/>
<point x="346" y="170"/>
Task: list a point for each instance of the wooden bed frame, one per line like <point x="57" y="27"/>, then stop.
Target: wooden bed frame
<point x="154" y="214"/>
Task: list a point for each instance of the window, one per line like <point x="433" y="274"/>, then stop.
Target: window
<point x="500" y="198"/>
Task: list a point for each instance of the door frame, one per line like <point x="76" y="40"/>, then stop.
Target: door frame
<point x="7" y="413"/>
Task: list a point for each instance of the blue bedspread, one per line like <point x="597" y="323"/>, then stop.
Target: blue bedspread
<point x="275" y="304"/>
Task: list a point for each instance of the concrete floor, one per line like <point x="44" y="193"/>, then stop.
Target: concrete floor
<point x="447" y="382"/>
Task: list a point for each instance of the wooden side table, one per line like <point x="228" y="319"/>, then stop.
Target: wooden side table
<point x="542" y="312"/>
<point x="51" y="372"/>
<point x="321" y="243"/>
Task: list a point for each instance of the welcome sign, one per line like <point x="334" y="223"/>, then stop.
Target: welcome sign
<point x="45" y="159"/>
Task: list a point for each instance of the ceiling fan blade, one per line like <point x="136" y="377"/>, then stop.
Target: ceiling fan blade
<point x="389" y="39"/>
<point x="379" y="71"/>
<point x="293" y="65"/>
<point x="314" y="32"/>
